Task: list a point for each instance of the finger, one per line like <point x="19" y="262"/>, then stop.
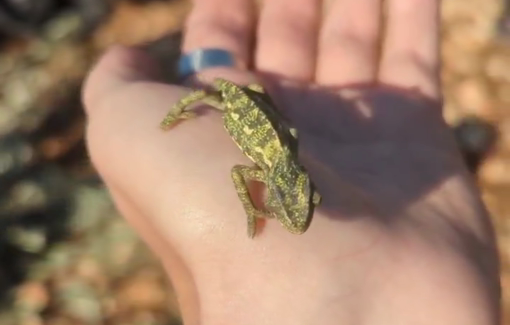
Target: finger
<point x="224" y="24"/>
<point x="410" y="57"/>
<point x="118" y="67"/>
<point x="349" y="42"/>
<point x="287" y="36"/>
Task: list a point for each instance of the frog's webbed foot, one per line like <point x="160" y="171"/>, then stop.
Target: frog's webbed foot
<point x="240" y="175"/>
<point x="179" y="112"/>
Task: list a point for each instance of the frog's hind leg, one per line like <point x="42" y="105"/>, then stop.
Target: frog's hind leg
<point x="240" y="175"/>
<point x="179" y="112"/>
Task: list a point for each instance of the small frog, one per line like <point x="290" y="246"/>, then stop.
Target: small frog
<point x="258" y="129"/>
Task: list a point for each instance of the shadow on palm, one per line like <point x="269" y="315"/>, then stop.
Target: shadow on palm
<point x="372" y="151"/>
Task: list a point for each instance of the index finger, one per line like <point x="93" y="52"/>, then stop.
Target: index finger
<point x="410" y="54"/>
<point x="224" y="24"/>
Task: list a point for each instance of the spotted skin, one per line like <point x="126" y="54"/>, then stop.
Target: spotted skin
<point x="256" y="127"/>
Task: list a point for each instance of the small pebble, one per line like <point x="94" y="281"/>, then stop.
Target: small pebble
<point x="78" y="300"/>
<point x="30" y="240"/>
<point x="39" y="51"/>
<point x="62" y="27"/>
<point x="473" y="95"/>
<point x="495" y="171"/>
<point x="23" y="197"/>
<point x="90" y="205"/>
<point x="32" y="297"/>
<point x="7" y="64"/>
<point x="143" y="290"/>
<point x="464" y="65"/>
<point x="9" y="121"/>
<point x="18" y="95"/>
<point x="61" y="256"/>
<point x="31" y="320"/>
<point x="497" y="67"/>
<point x="88" y="269"/>
<point x="476" y="138"/>
<point x="14" y="152"/>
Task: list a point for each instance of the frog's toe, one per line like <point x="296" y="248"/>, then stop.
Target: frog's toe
<point x="252" y="226"/>
<point x="187" y="115"/>
<point x="317" y="198"/>
<point x="256" y="87"/>
<point x="167" y="123"/>
<point x="170" y="120"/>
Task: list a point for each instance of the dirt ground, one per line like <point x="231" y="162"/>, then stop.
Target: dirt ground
<point x="66" y="257"/>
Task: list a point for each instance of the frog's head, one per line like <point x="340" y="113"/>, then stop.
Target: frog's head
<point x="291" y="194"/>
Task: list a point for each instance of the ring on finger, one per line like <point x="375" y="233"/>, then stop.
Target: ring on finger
<point x="202" y="59"/>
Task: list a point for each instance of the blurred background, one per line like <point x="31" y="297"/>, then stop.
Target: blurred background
<point x="66" y="257"/>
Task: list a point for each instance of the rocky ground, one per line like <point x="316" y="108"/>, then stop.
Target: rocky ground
<point x="66" y="257"/>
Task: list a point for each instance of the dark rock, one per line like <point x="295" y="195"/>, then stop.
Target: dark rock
<point x="476" y="139"/>
<point x="16" y="155"/>
<point x="22" y="17"/>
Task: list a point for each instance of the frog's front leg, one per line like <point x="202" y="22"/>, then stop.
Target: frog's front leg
<point x="240" y="175"/>
<point x="178" y="110"/>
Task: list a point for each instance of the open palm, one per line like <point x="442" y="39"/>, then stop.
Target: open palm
<point x="396" y="195"/>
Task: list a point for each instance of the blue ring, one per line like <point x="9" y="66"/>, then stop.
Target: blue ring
<point x="202" y="59"/>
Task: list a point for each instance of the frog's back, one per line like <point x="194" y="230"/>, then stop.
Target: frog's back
<point x="250" y="127"/>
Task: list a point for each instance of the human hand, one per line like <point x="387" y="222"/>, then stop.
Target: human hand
<point x="401" y="235"/>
